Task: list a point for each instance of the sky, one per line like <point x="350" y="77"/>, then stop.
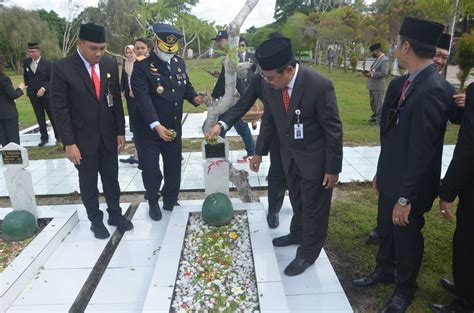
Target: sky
<point x="220" y="11"/>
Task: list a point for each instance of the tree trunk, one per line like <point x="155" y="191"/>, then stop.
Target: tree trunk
<point x="344" y="56"/>
<point x="316" y="52"/>
<point x="199" y="46"/>
<point x="231" y="94"/>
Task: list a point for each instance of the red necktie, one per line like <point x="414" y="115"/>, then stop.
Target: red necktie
<point x="402" y="94"/>
<point x="286" y="98"/>
<point x="95" y="81"/>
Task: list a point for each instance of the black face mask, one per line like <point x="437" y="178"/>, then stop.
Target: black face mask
<point x="374" y="55"/>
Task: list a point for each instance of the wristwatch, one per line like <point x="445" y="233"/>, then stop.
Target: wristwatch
<point x="403" y="201"/>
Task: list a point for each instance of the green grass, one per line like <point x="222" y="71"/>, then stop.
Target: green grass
<point x="351" y="92"/>
<point x="353" y="216"/>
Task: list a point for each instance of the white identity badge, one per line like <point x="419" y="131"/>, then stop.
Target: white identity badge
<point x="110" y="100"/>
<point x="299" y="134"/>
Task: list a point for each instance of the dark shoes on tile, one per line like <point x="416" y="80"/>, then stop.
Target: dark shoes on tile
<point x="130" y="160"/>
<point x="121" y="222"/>
<point x="273" y="220"/>
<point x="297" y="266"/>
<point x="374" y="278"/>
<point x="286" y="240"/>
<point x="168" y="206"/>
<point x="99" y="230"/>
<point x="447" y="284"/>
<point x="398" y="303"/>
<point x="42" y="143"/>
<point x="154" y="210"/>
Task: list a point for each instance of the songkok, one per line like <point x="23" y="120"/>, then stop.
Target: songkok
<point x="33" y="45"/>
<point x="167" y="37"/>
<point x="375" y="46"/>
<point x="92" y="32"/>
<point x="444" y="42"/>
<point x="222" y="34"/>
<point x="423" y="31"/>
<point x="274" y="53"/>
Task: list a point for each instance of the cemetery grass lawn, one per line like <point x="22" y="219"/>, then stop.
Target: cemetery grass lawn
<point x="353" y="216"/>
<point x="351" y="92"/>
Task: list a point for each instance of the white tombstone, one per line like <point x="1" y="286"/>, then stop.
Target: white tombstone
<point x="18" y="179"/>
<point x="216" y="167"/>
<point x="190" y="53"/>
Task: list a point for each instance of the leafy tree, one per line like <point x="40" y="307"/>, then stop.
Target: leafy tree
<point x="195" y="31"/>
<point x="465" y="56"/>
<point x="261" y="35"/>
<point x="294" y="28"/>
<point x="15" y="35"/>
<point x="56" y="23"/>
<point x="286" y="8"/>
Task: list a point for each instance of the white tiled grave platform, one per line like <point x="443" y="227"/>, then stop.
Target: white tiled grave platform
<point x="192" y="128"/>
<point x="56" y="285"/>
<point x="25" y="266"/>
<point x="318" y="288"/>
<point x="124" y="284"/>
<point x="59" y="177"/>
<point x="269" y="282"/>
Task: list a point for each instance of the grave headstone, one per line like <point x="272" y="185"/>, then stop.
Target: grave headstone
<point x="216" y="166"/>
<point x="18" y="179"/>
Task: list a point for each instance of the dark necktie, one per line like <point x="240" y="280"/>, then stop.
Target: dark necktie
<point x="95" y="81"/>
<point x="286" y="98"/>
<point x="402" y="94"/>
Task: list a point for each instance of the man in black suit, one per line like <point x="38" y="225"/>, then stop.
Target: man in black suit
<point x="409" y="166"/>
<point x="37" y="75"/>
<point x="459" y="181"/>
<point x="276" y="174"/>
<point x="160" y="85"/>
<point x="240" y="126"/>
<point x="87" y="106"/>
<point x="306" y="121"/>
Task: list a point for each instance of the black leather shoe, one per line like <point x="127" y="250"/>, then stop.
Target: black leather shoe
<point x="457" y="306"/>
<point x="130" y="160"/>
<point x="285" y="241"/>
<point x="397" y="304"/>
<point x="121" y="222"/>
<point x="99" y="230"/>
<point x="374" y="278"/>
<point x="168" y="206"/>
<point x="154" y="210"/>
<point x="447" y="284"/>
<point x="373" y="237"/>
<point x="42" y="143"/>
<point x="297" y="266"/>
<point x="273" y="220"/>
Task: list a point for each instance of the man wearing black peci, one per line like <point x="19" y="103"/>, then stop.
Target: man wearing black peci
<point x="409" y="166"/>
<point x="37" y="76"/>
<point x="87" y="106"/>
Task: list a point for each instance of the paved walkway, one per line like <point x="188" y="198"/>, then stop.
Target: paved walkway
<point x="59" y="177"/>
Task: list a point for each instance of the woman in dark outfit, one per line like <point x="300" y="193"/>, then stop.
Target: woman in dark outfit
<point x="9" y="131"/>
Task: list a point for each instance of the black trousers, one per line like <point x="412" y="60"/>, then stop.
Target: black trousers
<point x="311" y="203"/>
<point x="276" y="179"/>
<point x="9" y="131"/>
<point x="104" y="162"/>
<point x="40" y="106"/>
<point x="463" y="248"/>
<point x="149" y="152"/>
<point x="400" y="248"/>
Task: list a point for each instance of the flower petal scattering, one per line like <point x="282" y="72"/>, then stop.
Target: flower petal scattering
<point x="216" y="271"/>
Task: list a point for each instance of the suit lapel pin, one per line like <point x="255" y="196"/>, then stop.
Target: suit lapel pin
<point x="176" y="60"/>
<point x="160" y="89"/>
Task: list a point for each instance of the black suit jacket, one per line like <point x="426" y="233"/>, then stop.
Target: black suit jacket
<point x="246" y="101"/>
<point x="412" y="140"/>
<point x="165" y="107"/>
<point x="460" y="175"/>
<point x="320" y="151"/>
<point x="8" y="94"/>
<point x="41" y="78"/>
<point x="242" y="83"/>
<point x="80" y="117"/>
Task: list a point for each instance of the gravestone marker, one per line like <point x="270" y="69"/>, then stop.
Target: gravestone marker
<point x="18" y="179"/>
<point x="216" y="166"/>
